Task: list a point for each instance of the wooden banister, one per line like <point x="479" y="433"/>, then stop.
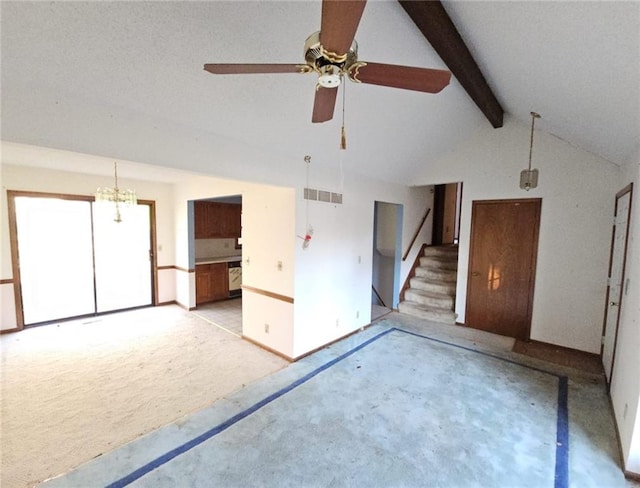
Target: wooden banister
<point x="378" y="296"/>
<point x="415" y="236"/>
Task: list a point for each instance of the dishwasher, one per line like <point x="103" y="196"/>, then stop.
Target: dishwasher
<point x="235" y="278"/>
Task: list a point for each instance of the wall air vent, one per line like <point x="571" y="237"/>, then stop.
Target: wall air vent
<point x="322" y="195"/>
<point x="310" y="194"/>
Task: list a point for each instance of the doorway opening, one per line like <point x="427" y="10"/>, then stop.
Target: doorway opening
<point x="215" y="251"/>
<point x="447" y="206"/>
<point x="387" y="257"/>
<point x="71" y="259"/>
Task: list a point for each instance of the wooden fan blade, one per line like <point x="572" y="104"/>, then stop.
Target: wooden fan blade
<point x="406" y="77"/>
<point x="242" y="69"/>
<point x="324" y="104"/>
<point x="340" y="19"/>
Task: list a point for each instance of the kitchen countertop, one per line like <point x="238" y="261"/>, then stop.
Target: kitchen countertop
<point x="219" y="259"/>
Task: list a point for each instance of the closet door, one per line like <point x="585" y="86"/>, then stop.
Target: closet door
<point x="56" y="259"/>
<point x="123" y="263"/>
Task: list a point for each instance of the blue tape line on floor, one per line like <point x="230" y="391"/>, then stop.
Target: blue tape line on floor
<point x="159" y="461"/>
<point x="511" y="361"/>
<point x="562" y="435"/>
<point x="562" y="430"/>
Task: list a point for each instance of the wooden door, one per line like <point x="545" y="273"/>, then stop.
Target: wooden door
<point x="617" y="262"/>
<point x="502" y="263"/>
<point x="449" y="213"/>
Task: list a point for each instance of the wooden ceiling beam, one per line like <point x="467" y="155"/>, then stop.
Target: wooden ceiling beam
<point x="436" y="25"/>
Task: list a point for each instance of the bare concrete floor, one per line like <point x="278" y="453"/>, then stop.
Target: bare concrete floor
<point x="404" y="403"/>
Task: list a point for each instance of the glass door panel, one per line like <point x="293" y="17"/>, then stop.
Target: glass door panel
<point x="122" y="257"/>
<point x="56" y="261"/>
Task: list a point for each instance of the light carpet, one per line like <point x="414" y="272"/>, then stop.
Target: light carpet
<point x="75" y="390"/>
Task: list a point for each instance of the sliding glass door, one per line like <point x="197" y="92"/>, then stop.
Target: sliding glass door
<point x="122" y="257"/>
<point x="75" y="260"/>
<point x="56" y="258"/>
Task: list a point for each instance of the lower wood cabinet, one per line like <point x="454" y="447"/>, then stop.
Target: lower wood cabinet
<point x="212" y="282"/>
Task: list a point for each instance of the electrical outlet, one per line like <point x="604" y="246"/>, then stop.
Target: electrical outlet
<point x="337" y="322"/>
<point x="357" y="314"/>
<point x="279" y="265"/>
<point x="266" y="328"/>
<point x="359" y="259"/>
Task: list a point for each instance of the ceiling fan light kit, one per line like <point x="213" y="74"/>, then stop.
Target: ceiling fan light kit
<point x="332" y="53"/>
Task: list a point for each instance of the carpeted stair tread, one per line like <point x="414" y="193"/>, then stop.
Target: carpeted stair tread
<point x="445" y="275"/>
<point x="439" y="263"/>
<point x="440" y="251"/>
<point x="430" y="298"/>
<point x="441" y="315"/>
<point x="432" y="285"/>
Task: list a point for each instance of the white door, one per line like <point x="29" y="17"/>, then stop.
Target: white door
<point x="616" y="280"/>
<point x="122" y="257"/>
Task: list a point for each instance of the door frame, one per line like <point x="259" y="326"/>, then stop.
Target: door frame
<point x="15" y="258"/>
<point x="397" y="251"/>
<point x="533" y="264"/>
<point x="627" y="189"/>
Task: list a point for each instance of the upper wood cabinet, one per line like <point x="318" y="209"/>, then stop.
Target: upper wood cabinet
<point x="214" y="220"/>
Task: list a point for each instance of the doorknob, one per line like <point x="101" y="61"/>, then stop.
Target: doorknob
<point x="613" y="304"/>
<point x="475" y="273"/>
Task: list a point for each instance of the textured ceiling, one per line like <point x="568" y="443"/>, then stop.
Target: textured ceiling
<point x="125" y="80"/>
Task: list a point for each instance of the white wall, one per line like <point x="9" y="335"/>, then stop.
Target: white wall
<point x="46" y="180"/>
<point x="575" y="228"/>
<point x="625" y="384"/>
<point x="268" y="234"/>
<point x="333" y="276"/>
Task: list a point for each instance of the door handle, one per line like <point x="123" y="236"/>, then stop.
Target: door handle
<point x="613" y="304"/>
<point x="475" y="273"/>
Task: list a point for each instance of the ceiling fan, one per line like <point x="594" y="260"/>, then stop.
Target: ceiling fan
<point x="332" y="53"/>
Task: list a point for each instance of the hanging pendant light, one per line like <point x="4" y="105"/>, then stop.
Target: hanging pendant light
<point x="529" y="177"/>
<point x="343" y="134"/>
<point x="116" y="196"/>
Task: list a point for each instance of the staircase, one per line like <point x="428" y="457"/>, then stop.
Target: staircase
<point x="432" y="291"/>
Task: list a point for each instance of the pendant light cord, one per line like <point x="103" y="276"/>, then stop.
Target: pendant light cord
<point x="534" y="116"/>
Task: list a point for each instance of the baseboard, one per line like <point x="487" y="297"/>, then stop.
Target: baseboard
<point x="563" y="348"/>
<point x="6" y="331"/>
<point x="615" y="425"/>
<point x="267" y="348"/>
<point x="170" y="302"/>
<point x="183" y="306"/>
<point x="630" y="475"/>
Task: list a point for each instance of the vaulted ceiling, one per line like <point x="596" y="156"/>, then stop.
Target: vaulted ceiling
<point x="125" y="80"/>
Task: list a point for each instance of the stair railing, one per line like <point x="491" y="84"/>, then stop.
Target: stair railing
<point x="378" y="296"/>
<point x="415" y="236"/>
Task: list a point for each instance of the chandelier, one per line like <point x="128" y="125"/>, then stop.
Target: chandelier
<point x="116" y="196"/>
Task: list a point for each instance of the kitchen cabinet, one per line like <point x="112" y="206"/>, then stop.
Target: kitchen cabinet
<point x="214" y="220"/>
<point x="212" y="282"/>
